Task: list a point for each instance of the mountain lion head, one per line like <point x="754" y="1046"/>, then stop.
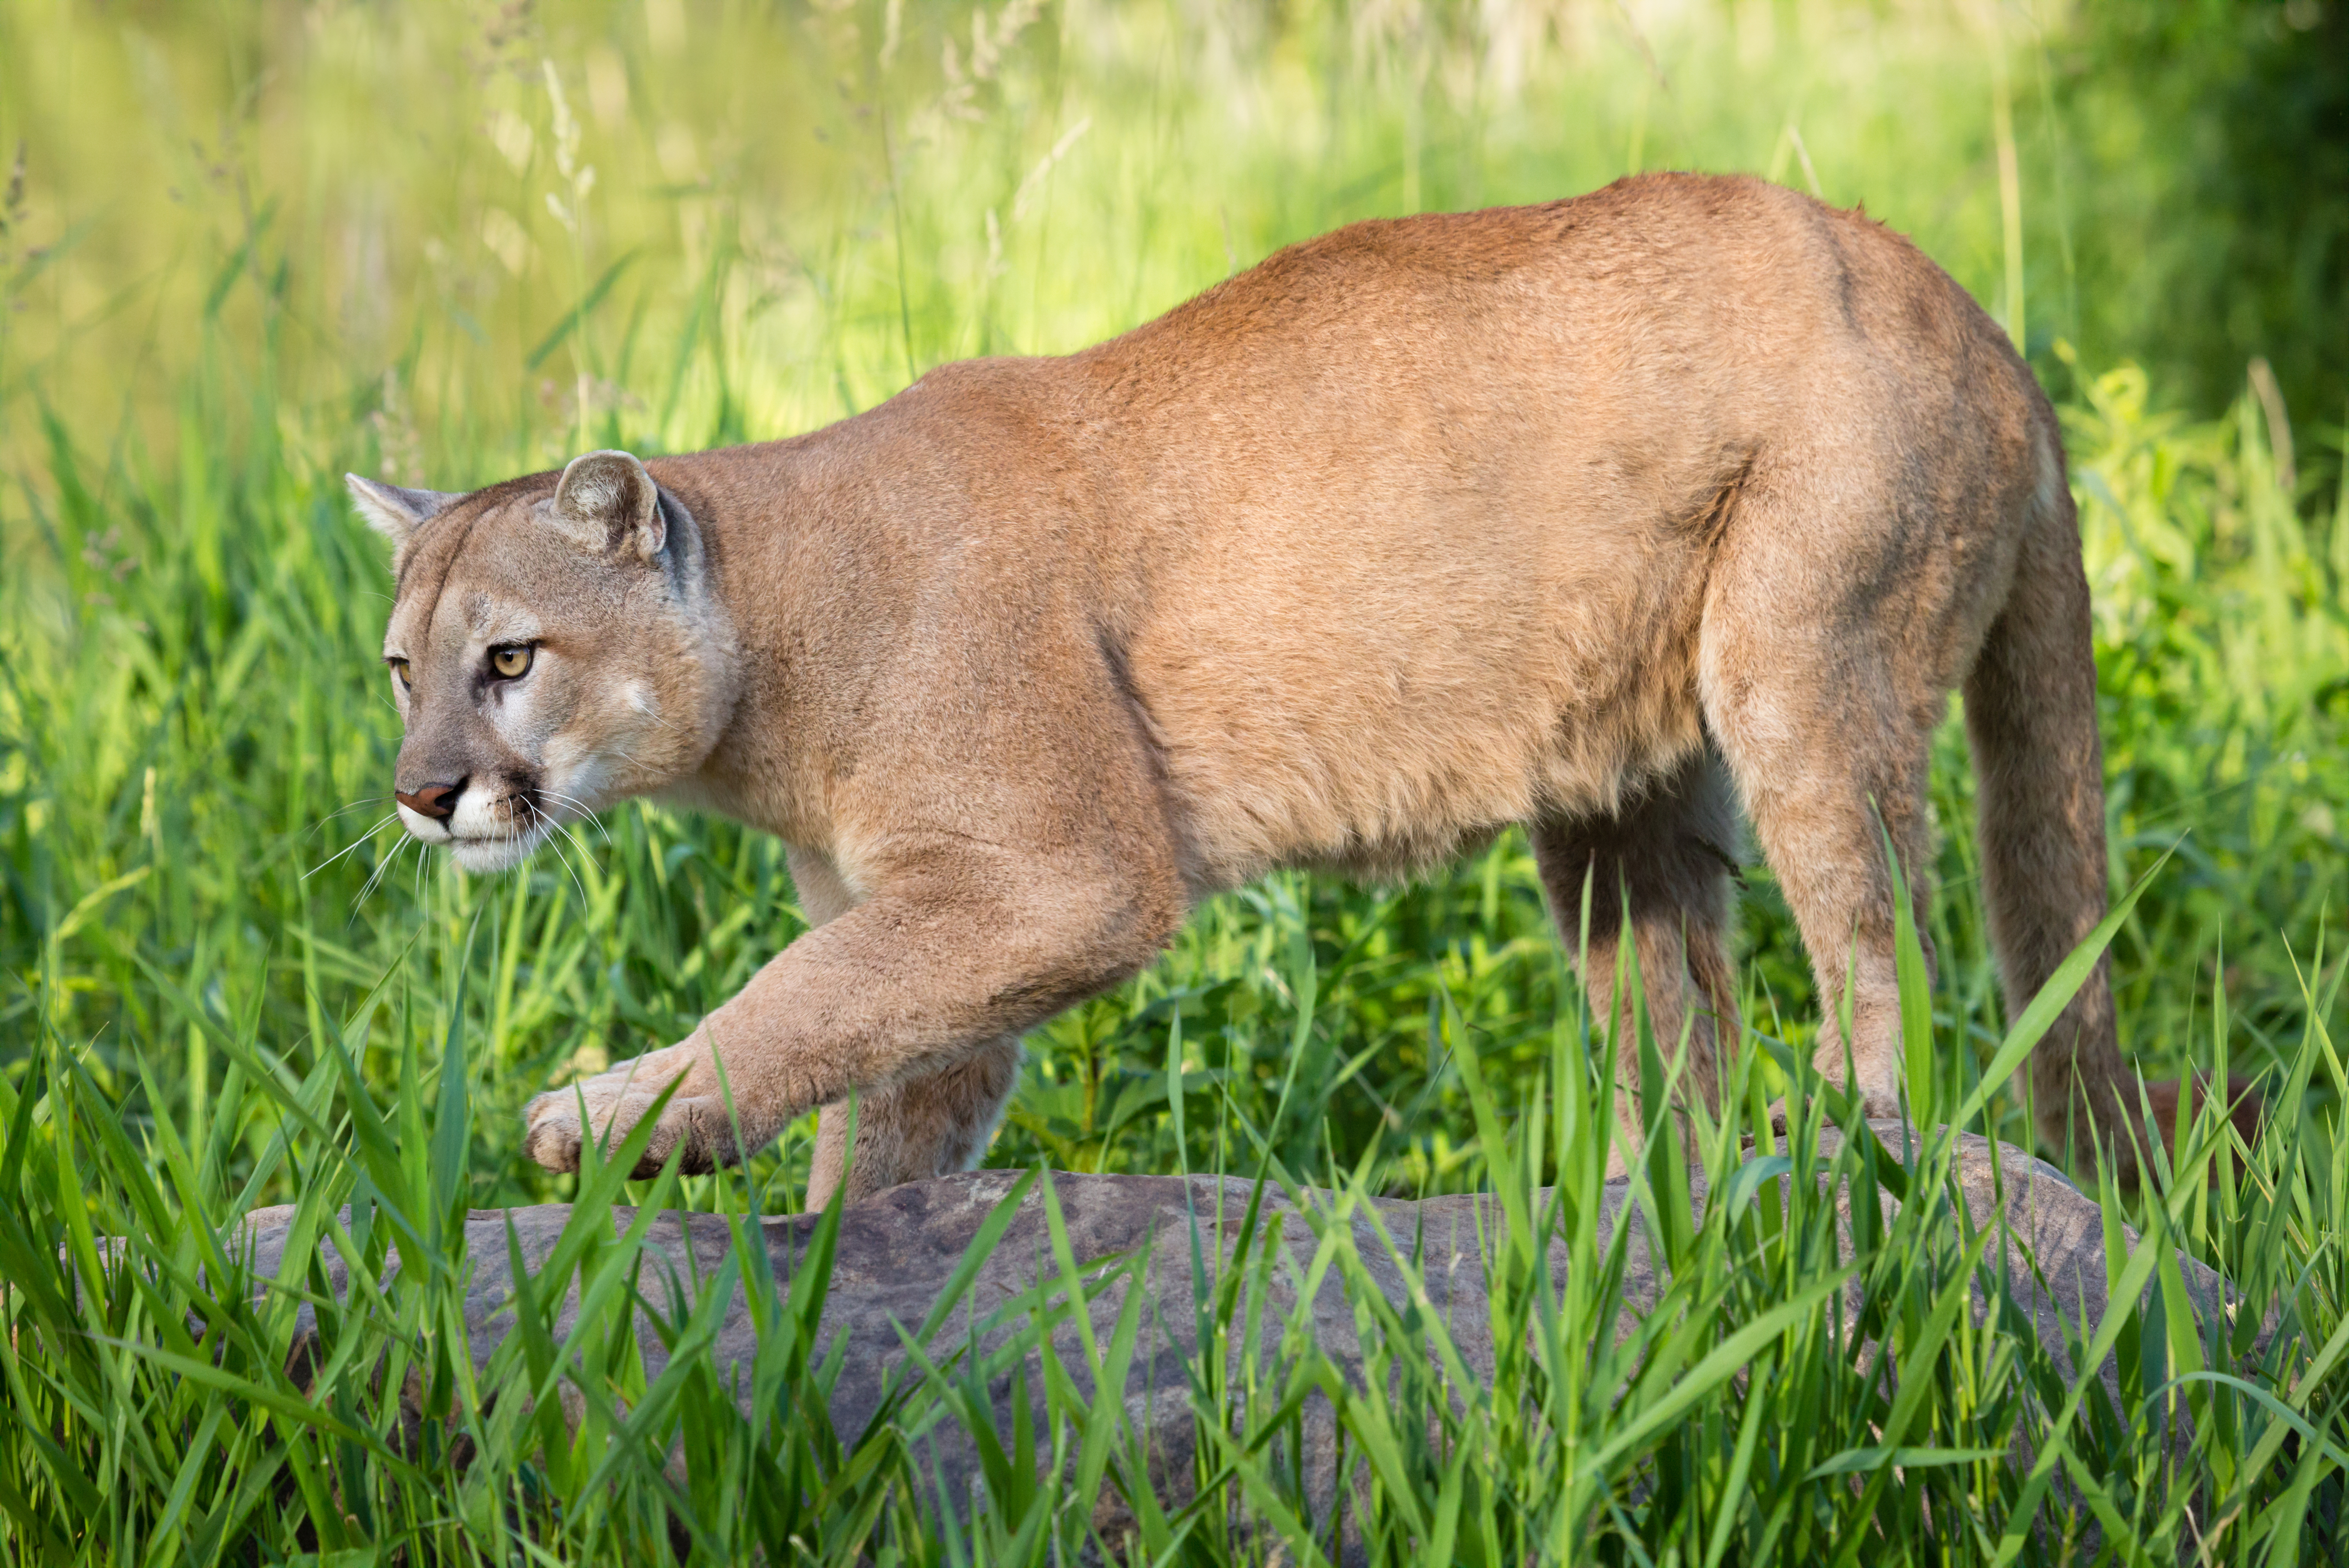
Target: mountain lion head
<point x="550" y="650"/>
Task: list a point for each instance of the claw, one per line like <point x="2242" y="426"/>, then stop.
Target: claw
<point x="614" y="1101"/>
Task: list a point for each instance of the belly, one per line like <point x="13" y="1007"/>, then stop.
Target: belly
<point x="1373" y="694"/>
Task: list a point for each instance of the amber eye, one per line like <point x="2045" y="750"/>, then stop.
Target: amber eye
<point x="399" y="668"/>
<point x="511" y="661"/>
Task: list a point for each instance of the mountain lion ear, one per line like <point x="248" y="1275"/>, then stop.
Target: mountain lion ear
<point x="395" y="512"/>
<point x="611" y="503"/>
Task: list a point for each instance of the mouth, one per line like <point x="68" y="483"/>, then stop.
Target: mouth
<point x="517" y="825"/>
<point x="496" y="852"/>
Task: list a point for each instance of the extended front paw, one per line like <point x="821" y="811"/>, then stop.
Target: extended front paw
<point x="558" y="1123"/>
<point x="697" y="1125"/>
<point x="609" y="1107"/>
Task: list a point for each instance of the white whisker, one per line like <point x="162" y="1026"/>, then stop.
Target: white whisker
<point x="585" y="813"/>
<point x="381" y="866"/>
<point x="353" y="844"/>
<point x="573" y="838"/>
<point x="361" y="804"/>
<point x="585" y="908"/>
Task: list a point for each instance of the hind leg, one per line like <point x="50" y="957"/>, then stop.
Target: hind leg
<point x="921" y="1127"/>
<point x="1667" y="857"/>
<point x="1825" y="716"/>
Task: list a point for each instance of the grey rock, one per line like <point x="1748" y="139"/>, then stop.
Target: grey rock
<point x="897" y="1250"/>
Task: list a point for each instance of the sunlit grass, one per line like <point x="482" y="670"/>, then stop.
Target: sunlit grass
<point x="1750" y="1415"/>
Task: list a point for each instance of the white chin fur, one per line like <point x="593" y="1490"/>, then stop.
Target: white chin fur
<point x="500" y="854"/>
<point x="491" y="852"/>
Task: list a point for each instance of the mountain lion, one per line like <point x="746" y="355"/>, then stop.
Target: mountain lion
<point x="1607" y="517"/>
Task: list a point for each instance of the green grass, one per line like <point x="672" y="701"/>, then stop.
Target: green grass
<point x="154" y="1420"/>
<point x="206" y="1007"/>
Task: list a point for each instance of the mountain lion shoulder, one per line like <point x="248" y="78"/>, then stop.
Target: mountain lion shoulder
<point x="1608" y="517"/>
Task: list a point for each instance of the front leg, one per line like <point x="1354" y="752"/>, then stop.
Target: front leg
<point x="961" y="945"/>
<point x="932" y="1124"/>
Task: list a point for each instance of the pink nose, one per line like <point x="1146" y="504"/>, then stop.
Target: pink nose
<point x="438" y="801"/>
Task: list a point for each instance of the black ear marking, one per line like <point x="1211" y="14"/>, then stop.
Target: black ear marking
<point x="395" y="512"/>
<point x="677" y="537"/>
<point x="609" y="502"/>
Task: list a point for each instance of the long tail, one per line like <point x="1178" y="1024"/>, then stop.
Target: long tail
<point x="2031" y="713"/>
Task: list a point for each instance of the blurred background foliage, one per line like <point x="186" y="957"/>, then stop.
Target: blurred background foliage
<point x="482" y="223"/>
<point x="2213" y="191"/>
<point x="247" y="247"/>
